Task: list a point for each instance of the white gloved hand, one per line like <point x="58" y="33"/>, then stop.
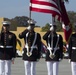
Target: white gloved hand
<point x="69" y="60"/>
<point x="38" y="60"/>
<point x="13" y="59"/>
<point x="60" y="59"/>
<point x="51" y="28"/>
<point x="29" y="27"/>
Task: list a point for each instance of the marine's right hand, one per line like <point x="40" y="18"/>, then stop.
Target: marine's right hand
<point x="69" y="60"/>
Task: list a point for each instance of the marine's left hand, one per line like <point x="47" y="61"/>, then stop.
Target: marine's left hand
<point x="60" y="59"/>
<point x="38" y="60"/>
<point x="13" y="59"/>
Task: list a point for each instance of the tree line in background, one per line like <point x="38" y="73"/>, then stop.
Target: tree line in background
<point x="21" y="21"/>
<point x="72" y="17"/>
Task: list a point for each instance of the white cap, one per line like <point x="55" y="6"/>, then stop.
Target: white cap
<point x="31" y="22"/>
<point x="6" y="23"/>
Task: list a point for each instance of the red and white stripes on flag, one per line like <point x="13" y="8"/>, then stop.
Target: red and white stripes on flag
<point x="46" y="6"/>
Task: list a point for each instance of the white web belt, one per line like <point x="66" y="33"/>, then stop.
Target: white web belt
<point x="73" y="47"/>
<point x="50" y="48"/>
<point x="6" y="46"/>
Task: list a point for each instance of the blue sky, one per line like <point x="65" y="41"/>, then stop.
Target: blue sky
<point x="12" y="8"/>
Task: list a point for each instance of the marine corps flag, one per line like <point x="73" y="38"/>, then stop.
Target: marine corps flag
<point x="67" y="28"/>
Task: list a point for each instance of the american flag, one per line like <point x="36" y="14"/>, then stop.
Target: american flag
<point x="46" y="6"/>
<point x="58" y="11"/>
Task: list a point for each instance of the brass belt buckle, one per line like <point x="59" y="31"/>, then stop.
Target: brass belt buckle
<point x="52" y="56"/>
<point x="29" y="54"/>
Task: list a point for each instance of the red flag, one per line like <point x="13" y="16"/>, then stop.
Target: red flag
<point x="66" y="22"/>
<point x="46" y="6"/>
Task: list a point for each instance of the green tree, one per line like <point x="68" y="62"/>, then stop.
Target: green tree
<point x="45" y="28"/>
<point x="72" y="17"/>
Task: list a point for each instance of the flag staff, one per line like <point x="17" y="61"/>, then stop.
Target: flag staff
<point x="30" y="13"/>
<point x="53" y="22"/>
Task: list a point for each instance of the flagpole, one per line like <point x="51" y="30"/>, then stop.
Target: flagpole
<point x="53" y="21"/>
<point x="30" y="13"/>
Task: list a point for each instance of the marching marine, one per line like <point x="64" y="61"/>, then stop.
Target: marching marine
<point x="7" y="49"/>
<point x="32" y="48"/>
<point x="54" y="51"/>
<point x="72" y="52"/>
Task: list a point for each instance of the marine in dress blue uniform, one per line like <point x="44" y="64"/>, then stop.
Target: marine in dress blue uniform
<point x="32" y="48"/>
<point x="7" y="48"/>
<point x="54" y="51"/>
<point x="72" y="52"/>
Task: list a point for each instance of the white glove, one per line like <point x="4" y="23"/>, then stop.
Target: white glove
<point x="60" y="59"/>
<point x="51" y="28"/>
<point x="38" y="60"/>
<point x="29" y="27"/>
<point x="69" y="61"/>
<point x="13" y="59"/>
